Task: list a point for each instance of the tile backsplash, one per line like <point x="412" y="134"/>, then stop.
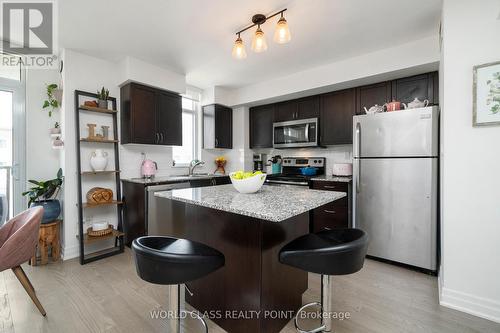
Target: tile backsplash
<point x="333" y="154"/>
<point x="238" y="159"/>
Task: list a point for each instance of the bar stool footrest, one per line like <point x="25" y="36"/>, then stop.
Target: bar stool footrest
<point x="296" y="321"/>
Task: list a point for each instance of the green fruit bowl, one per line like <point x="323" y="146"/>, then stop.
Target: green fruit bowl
<point x="250" y="184"/>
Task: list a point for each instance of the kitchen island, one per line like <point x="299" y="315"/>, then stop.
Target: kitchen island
<point x="253" y="292"/>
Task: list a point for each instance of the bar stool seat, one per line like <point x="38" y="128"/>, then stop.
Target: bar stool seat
<point x="168" y="260"/>
<point x="328" y="252"/>
<point x="174" y="261"/>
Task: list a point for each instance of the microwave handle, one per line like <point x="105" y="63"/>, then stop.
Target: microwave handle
<point x="307" y="132"/>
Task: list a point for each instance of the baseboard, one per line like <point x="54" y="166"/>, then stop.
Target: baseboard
<point x="70" y="252"/>
<point x="477" y="306"/>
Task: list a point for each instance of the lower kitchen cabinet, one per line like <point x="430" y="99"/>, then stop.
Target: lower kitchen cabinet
<point x="334" y="215"/>
<point x="137" y="198"/>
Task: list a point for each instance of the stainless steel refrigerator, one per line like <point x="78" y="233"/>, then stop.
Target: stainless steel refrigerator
<point x="396" y="184"/>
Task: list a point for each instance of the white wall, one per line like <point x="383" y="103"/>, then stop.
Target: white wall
<point x="411" y="58"/>
<point x="132" y="69"/>
<point x="42" y="162"/>
<point x="238" y="158"/>
<point x="83" y="72"/>
<point x="470" y="275"/>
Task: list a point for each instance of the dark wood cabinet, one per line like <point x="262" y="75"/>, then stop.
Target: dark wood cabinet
<point x="367" y="96"/>
<point x="150" y="115"/>
<point x="169" y="123"/>
<point x="217" y="126"/>
<point x="285" y="111"/>
<point x="261" y="126"/>
<point x="302" y="108"/>
<point x="337" y="110"/>
<point x="423" y="87"/>
<point x="136" y="203"/>
<point x="334" y="215"/>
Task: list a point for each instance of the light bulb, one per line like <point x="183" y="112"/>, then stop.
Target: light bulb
<point x="259" y="41"/>
<point x="239" y="49"/>
<point x="282" y="32"/>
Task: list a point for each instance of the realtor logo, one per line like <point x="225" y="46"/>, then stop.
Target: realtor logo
<point x="27" y="28"/>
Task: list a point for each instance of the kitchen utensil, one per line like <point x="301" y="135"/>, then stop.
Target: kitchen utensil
<point x="99" y="195"/>
<point x="276" y="164"/>
<point x="97" y="226"/>
<point x="416" y="103"/>
<point x="393" y="106"/>
<point x="99" y="160"/>
<point x="100" y="233"/>
<point x="248" y="185"/>
<point x="374" y="109"/>
<point x="342" y="169"/>
<point x="308" y="171"/>
<point x="148" y="168"/>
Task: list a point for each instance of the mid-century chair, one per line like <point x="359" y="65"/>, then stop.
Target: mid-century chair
<point x="18" y="239"/>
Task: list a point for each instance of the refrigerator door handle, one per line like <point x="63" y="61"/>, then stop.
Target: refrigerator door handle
<point x="358" y="154"/>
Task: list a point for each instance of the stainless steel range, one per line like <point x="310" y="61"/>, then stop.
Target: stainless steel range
<point x="292" y="174"/>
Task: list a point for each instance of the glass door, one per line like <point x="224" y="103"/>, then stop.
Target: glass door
<point x="12" y="142"/>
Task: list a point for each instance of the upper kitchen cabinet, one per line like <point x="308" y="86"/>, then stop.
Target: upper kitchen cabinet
<point x="302" y="108"/>
<point x="367" y="96"/>
<point x="217" y="126"/>
<point x="423" y="87"/>
<point x="337" y="109"/>
<point x="150" y="116"/>
<point x="261" y="126"/>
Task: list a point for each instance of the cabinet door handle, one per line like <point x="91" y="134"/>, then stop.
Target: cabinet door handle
<point x="216" y="142"/>
<point x="161" y="137"/>
<point x="330" y="211"/>
<point x="329" y="186"/>
<point x="157" y="137"/>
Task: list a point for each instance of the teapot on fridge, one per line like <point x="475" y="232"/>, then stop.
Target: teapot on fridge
<point x="374" y="109"/>
<point x="416" y="103"/>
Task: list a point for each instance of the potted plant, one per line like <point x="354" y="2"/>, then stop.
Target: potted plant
<point x="44" y="194"/>
<point x="102" y="97"/>
<point x="53" y="100"/>
<point x="56" y="129"/>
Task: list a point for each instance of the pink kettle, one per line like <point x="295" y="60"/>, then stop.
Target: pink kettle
<point x="148" y="168"/>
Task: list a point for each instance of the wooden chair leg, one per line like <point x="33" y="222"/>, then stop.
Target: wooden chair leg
<point x="26" y="277"/>
<point x="18" y="271"/>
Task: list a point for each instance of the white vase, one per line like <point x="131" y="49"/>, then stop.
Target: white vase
<point x="99" y="160"/>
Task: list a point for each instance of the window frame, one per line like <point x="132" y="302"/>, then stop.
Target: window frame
<point x="195" y="112"/>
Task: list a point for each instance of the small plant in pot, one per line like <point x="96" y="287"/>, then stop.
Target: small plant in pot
<point x="102" y="97"/>
<point x="56" y="129"/>
<point x="44" y="194"/>
<point x="53" y="100"/>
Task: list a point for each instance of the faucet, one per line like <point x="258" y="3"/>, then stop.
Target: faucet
<point x="193" y="164"/>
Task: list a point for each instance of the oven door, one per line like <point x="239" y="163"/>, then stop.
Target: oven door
<point x="297" y="133"/>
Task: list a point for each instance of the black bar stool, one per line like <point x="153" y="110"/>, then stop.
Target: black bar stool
<point x="328" y="252"/>
<point x="173" y="261"/>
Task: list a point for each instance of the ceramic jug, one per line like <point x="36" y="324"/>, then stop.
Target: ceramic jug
<point x="99" y="160"/>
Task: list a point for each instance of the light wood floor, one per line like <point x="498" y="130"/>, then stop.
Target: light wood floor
<point x="107" y="296"/>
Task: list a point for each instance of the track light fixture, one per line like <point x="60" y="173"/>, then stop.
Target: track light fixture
<point x="259" y="44"/>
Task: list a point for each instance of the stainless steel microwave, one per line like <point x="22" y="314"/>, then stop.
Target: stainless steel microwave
<point x="296" y="133"/>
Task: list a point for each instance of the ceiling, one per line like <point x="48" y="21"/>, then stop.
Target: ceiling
<point x="195" y="37"/>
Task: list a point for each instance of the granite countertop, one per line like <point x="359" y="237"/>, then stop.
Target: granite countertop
<point x="271" y="203"/>
<point x="168" y="179"/>
<point x="330" y="178"/>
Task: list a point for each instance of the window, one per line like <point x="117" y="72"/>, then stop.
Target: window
<point x="183" y="155"/>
